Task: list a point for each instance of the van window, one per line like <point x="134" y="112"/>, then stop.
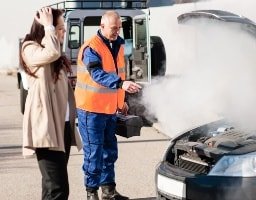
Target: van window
<point x="74" y="35"/>
<point x="141" y="36"/>
<point x="91" y="26"/>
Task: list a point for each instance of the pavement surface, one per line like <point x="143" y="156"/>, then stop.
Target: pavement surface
<point x="20" y="178"/>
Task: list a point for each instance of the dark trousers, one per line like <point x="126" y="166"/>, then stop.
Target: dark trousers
<point x="53" y="168"/>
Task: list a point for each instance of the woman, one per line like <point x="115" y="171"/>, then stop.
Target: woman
<point x="49" y="117"/>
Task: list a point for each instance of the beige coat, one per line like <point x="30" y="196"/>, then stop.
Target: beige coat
<point x="46" y="103"/>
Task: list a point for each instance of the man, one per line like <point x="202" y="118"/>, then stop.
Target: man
<point x="99" y="93"/>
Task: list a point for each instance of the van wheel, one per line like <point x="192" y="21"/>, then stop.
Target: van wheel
<point x="23" y="96"/>
<point x="158" y="56"/>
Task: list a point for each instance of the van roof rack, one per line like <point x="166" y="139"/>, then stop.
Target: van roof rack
<point x="100" y="4"/>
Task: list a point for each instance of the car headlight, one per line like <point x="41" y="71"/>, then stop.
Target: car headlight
<point x="236" y="165"/>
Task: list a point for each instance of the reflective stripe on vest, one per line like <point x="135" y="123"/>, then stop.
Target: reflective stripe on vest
<point x="91" y="96"/>
<point x="83" y="69"/>
<point x="94" y="89"/>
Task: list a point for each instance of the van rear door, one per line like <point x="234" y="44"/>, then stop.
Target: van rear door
<point x="141" y="63"/>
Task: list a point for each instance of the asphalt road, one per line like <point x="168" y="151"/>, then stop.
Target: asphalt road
<point x="21" y="179"/>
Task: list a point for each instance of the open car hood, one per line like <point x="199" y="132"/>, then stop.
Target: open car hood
<point x="220" y="15"/>
<point x="215" y="14"/>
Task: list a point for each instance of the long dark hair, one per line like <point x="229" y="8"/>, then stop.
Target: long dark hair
<point x="36" y="34"/>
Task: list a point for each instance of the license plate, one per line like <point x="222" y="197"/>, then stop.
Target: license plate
<point x="171" y="187"/>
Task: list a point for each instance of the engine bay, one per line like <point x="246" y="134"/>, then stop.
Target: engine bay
<point x="198" y="150"/>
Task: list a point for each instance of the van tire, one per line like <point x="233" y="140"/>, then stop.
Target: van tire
<point x="23" y="96"/>
<point x="158" y="56"/>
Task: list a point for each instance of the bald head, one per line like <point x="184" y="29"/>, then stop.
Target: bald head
<point x="110" y="25"/>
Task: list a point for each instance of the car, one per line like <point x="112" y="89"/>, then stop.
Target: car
<point x="215" y="161"/>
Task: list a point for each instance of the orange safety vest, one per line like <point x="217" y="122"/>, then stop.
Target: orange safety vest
<point x="91" y="96"/>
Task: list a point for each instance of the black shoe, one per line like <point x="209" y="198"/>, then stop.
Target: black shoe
<point x="92" y="195"/>
<point x="109" y="193"/>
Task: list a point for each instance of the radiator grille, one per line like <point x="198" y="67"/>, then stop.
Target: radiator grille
<point x="193" y="167"/>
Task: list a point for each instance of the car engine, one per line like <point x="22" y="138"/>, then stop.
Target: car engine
<point x="198" y="150"/>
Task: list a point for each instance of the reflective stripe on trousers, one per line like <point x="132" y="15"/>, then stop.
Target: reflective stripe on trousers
<point x="100" y="147"/>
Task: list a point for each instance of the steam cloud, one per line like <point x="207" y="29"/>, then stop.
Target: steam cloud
<point x="211" y="75"/>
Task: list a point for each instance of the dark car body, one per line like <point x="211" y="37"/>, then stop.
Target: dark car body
<point x="185" y="170"/>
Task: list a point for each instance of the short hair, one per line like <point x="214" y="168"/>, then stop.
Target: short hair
<point x="111" y="14"/>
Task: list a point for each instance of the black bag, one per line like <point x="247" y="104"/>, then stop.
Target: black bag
<point x="128" y="125"/>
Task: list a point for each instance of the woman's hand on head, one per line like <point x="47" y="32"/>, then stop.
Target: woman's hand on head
<point x="44" y="16"/>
